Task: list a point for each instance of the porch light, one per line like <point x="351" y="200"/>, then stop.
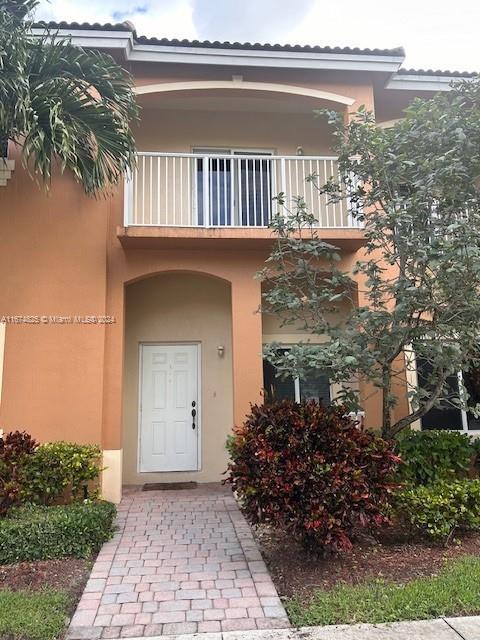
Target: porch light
<point x="221" y="350"/>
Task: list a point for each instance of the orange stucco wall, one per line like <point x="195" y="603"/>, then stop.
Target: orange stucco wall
<point x="52" y="263"/>
<point x="60" y="256"/>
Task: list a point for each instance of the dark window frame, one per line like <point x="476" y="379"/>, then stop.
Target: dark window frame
<point x="465" y="418"/>
<point x="296" y="396"/>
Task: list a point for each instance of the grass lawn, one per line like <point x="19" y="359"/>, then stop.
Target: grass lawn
<point x="38" y="598"/>
<point x="455" y="590"/>
<point x="40" y="615"/>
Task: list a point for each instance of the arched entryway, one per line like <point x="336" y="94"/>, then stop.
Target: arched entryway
<point x="178" y="351"/>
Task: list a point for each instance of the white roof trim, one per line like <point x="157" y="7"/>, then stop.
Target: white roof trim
<point x="139" y="52"/>
<point x="257" y="58"/>
<point x="422" y="82"/>
<point x="107" y="39"/>
<point x="250" y="86"/>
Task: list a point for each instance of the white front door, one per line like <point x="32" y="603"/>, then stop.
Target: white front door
<point x="168" y="397"/>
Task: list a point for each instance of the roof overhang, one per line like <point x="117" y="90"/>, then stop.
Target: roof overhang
<point x="423" y="82"/>
<point x="93" y="38"/>
<point x="134" y="51"/>
<point x="122" y="38"/>
<point x="256" y="58"/>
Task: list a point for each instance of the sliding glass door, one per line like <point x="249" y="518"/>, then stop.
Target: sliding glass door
<point x="233" y="188"/>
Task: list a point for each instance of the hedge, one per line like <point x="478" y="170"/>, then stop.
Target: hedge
<point x="61" y="470"/>
<point x="42" y="533"/>
<point x="433" y="456"/>
<point x="439" y="510"/>
<point x="49" y="473"/>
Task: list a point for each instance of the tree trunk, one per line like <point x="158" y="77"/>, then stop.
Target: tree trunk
<point x="386" y="410"/>
<point x="405" y="422"/>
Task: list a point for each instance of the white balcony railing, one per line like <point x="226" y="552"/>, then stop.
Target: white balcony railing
<point x="226" y="190"/>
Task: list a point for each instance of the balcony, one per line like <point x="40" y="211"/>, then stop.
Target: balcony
<point x="212" y="195"/>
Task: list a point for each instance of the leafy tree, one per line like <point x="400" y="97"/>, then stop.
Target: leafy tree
<point x="61" y="103"/>
<point x="416" y="284"/>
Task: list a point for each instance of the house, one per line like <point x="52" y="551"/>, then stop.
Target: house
<point x="131" y="321"/>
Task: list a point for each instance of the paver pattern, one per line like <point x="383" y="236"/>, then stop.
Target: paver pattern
<point x="181" y="562"/>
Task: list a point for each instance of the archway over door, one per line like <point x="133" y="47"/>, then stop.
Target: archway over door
<point x="174" y="325"/>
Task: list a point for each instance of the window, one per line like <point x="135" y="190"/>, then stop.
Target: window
<point x="450" y="417"/>
<point x="315" y="387"/>
<point x="471" y="381"/>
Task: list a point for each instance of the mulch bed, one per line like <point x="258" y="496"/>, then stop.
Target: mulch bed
<point x="391" y="557"/>
<point x="68" y="574"/>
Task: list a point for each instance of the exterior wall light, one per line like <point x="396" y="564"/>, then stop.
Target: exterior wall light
<point x="221" y="350"/>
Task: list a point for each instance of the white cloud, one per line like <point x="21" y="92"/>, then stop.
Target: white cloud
<point x="435" y="33"/>
<point x="247" y="20"/>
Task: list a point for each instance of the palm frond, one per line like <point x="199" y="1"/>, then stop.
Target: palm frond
<point x="63" y="103"/>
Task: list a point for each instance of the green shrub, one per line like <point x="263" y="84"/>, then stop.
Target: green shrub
<point x="440" y="509"/>
<point x="41" y="533"/>
<point x="432" y="456"/>
<point x="476" y="454"/>
<point x="308" y="468"/>
<point x="16" y="448"/>
<point x="60" y="469"/>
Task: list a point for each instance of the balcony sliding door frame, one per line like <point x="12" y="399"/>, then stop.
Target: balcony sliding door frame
<point x="233" y="209"/>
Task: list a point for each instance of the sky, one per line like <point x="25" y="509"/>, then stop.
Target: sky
<point x="437" y="34"/>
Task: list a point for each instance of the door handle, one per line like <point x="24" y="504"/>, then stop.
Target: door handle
<point x="194" y="413"/>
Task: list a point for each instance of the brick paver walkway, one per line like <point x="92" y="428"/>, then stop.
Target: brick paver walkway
<point x="181" y="562"/>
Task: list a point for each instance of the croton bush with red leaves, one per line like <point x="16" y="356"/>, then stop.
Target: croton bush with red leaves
<point x="312" y="470"/>
<point x="15" y="447"/>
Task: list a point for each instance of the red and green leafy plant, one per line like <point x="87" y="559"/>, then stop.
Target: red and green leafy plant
<point x="48" y="473"/>
<point x="15" y="448"/>
<point x="311" y="470"/>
